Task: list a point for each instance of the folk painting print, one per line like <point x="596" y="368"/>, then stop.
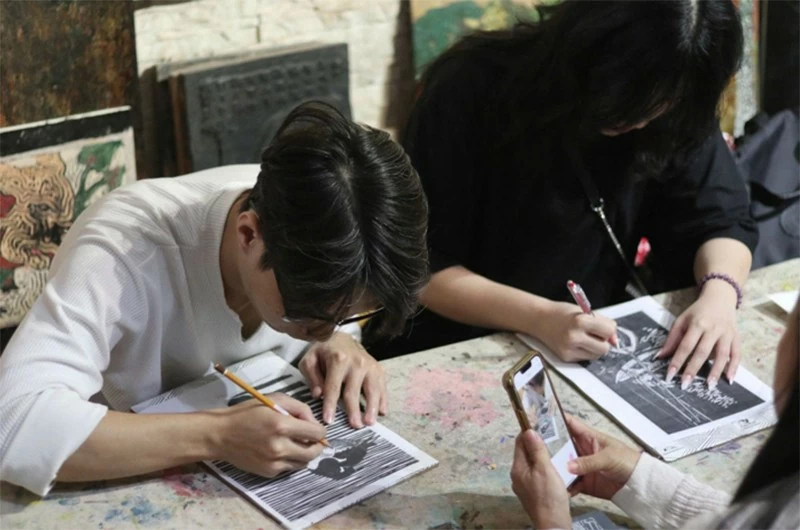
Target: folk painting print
<point x="632" y="372"/>
<point x="437" y="24"/>
<point x="50" y="172"/>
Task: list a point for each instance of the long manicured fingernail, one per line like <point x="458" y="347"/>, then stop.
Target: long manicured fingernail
<point x="685" y="382"/>
<point x="670" y="374"/>
<point x="712" y="383"/>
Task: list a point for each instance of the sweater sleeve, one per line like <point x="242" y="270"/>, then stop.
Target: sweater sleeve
<point x="658" y="496"/>
<point x="54" y="362"/>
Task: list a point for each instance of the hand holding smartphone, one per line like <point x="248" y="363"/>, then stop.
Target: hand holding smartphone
<point x="536" y="406"/>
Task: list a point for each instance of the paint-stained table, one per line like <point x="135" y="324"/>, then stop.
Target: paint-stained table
<point x="449" y="402"/>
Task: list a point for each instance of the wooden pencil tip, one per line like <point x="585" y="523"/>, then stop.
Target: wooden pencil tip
<point x="219" y="368"/>
<point x="325" y="442"/>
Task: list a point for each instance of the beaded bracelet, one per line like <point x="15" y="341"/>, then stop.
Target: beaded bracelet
<point x="724" y="278"/>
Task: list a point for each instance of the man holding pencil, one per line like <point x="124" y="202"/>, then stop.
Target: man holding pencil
<point x="162" y="278"/>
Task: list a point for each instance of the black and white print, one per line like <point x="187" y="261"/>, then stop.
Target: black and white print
<point x="356" y="459"/>
<point x="360" y="463"/>
<point x="636" y="377"/>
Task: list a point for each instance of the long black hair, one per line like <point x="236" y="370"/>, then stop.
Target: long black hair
<point x="342" y="213"/>
<point x="588" y="66"/>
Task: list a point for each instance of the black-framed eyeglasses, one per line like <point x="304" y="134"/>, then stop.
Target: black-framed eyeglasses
<point x="347" y="320"/>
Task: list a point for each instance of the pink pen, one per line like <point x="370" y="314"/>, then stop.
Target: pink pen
<point x="580" y="297"/>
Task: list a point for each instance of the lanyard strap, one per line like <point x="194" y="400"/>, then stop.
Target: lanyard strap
<point x="598" y="206"/>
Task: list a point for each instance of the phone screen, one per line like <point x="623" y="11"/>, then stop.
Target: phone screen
<point x="545" y="416"/>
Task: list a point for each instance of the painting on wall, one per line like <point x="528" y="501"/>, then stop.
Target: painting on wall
<point x="437" y="24"/>
<point x="50" y="172"/>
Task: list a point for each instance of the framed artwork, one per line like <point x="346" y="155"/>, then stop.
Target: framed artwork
<point x="437" y="24"/>
<point x="50" y="172"/>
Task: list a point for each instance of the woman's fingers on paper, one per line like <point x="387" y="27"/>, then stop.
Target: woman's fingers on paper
<point x="721" y="358"/>
<point x="673" y="339"/>
<point x="733" y="365"/>
<point x="699" y="356"/>
<point x="685" y="348"/>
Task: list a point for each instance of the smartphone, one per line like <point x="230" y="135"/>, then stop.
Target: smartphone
<point x="537" y="407"/>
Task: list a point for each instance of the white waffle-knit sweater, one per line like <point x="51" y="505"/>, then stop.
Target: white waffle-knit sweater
<point x="134" y="306"/>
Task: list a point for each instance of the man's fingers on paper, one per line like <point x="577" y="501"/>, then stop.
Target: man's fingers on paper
<point x="383" y="405"/>
<point x="372" y="396"/>
<point x="312" y="370"/>
<point x="333" y="388"/>
<point x="352" y="397"/>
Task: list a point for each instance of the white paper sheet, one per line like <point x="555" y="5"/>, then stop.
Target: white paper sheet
<point x="785" y="300"/>
<point x="360" y="463"/>
<point x="630" y="386"/>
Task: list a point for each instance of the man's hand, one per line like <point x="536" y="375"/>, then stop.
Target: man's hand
<point x="342" y="367"/>
<point x="258" y="439"/>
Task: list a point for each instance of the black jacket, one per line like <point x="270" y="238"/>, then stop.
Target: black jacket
<point x="514" y="210"/>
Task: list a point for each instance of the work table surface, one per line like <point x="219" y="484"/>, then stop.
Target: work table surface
<point x="449" y="402"/>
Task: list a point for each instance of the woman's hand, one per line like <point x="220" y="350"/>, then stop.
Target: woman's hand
<point x="574" y="335"/>
<point x="606" y="464"/>
<point x="537" y="484"/>
<point x="706" y="330"/>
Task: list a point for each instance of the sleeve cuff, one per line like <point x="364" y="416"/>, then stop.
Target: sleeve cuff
<point x="648" y="492"/>
<point x="353" y="329"/>
<point x="54" y="427"/>
<point x="659" y="496"/>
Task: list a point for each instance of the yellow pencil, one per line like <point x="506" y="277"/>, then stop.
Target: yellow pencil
<point x="256" y="394"/>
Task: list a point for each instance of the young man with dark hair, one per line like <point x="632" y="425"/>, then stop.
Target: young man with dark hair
<point x="161" y="278"/>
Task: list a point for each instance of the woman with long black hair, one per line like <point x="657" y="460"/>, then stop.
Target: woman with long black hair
<point x="548" y="151"/>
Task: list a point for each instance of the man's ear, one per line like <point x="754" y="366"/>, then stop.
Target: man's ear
<point x="248" y="233"/>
